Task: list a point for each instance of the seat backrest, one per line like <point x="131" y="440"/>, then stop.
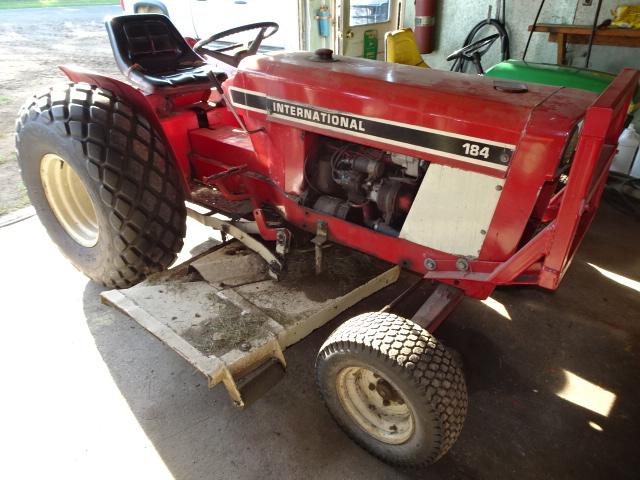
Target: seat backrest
<point x="149" y="42"/>
<point x="401" y="47"/>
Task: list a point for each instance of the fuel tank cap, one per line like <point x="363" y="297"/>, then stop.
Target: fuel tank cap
<point x="510" y="87"/>
<point x="323" y="55"/>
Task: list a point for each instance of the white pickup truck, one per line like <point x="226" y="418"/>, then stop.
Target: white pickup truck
<point x="202" y="18"/>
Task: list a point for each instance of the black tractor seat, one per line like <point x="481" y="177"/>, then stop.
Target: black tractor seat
<point x="151" y="53"/>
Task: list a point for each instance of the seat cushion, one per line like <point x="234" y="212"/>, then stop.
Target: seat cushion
<point x="151" y="52"/>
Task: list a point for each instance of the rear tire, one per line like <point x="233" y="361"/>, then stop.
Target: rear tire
<point x="102" y="182"/>
<point x="393" y="388"/>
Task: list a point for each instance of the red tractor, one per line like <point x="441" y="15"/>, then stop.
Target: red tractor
<point x="468" y="181"/>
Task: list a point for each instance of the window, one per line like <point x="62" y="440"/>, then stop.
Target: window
<point x="367" y="12"/>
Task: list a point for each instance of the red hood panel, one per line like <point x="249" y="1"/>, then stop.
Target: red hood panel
<point x="457" y="103"/>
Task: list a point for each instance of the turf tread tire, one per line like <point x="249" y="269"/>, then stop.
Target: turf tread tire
<point x="124" y="165"/>
<point x="412" y="353"/>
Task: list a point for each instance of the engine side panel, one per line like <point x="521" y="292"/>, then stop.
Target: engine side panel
<point x="453" y="210"/>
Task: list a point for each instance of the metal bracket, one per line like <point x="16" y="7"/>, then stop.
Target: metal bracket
<point x="283" y="241"/>
<point x="281" y="235"/>
<point x="256" y="383"/>
<point x="438" y="306"/>
<point x="322" y="235"/>
<point x="275" y="264"/>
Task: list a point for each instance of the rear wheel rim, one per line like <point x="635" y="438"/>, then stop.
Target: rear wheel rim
<point x="69" y="200"/>
<point x="375" y="404"/>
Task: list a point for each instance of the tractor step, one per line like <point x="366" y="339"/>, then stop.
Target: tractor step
<point x="224" y="315"/>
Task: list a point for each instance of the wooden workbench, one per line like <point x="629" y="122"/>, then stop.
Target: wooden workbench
<point x="579" y="34"/>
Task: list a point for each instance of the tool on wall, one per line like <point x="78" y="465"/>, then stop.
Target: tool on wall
<point x="593" y="34"/>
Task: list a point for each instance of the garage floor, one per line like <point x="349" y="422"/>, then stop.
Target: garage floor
<point x="553" y="389"/>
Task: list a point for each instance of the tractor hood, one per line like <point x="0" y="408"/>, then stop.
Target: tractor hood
<point x="436" y="112"/>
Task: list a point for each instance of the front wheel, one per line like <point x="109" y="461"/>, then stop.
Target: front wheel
<point x="102" y="183"/>
<point x="393" y="388"/>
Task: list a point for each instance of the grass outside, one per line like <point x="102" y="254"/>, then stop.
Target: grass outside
<point x="4" y="4"/>
<point x="22" y="202"/>
<point x="11" y="157"/>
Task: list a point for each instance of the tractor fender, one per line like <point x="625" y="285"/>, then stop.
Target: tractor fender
<point x="133" y="97"/>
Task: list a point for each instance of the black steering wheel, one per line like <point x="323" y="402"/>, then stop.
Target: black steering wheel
<point x="266" y="29"/>
<point x="474" y="51"/>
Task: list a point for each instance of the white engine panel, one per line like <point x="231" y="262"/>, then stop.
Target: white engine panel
<point x="452" y="210"/>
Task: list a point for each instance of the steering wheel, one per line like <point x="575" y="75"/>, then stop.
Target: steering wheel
<point x="266" y="29"/>
<point x="474" y="51"/>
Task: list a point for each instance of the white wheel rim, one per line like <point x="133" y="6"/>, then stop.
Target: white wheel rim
<point x="375" y="404"/>
<point x="69" y="200"/>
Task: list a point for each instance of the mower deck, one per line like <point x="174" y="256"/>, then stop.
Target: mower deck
<point x="224" y="315"/>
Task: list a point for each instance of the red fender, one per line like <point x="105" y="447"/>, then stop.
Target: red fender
<point x="425" y="25"/>
<point x="148" y="106"/>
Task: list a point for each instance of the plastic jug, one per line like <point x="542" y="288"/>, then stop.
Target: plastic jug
<point x="627" y="149"/>
<point x="635" y="169"/>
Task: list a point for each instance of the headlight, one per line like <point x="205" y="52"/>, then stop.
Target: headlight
<point x="570" y="149"/>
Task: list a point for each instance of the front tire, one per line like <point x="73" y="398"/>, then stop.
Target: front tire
<point x="393" y="388"/>
<point x="102" y="183"/>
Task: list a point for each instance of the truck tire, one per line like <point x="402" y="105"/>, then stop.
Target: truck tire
<point x="393" y="388"/>
<point x="102" y="182"/>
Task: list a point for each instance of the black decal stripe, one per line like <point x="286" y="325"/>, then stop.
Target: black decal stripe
<point x="249" y="100"/>
<point x="410" y="136"/>
<point x="496" y="155"/>
<point x="436" y="141"/>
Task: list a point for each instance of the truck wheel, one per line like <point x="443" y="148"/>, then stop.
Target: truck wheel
<point x="102" y="183"/>
<point x="393" y="388"/>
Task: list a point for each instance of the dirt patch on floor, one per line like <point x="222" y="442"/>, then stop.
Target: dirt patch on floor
<point x="33" y="42"/>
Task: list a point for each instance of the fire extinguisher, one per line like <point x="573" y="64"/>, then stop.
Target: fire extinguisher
<point x="324" y="23"/>
<point x="425" y="25"/>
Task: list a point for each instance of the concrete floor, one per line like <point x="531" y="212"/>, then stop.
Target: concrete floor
<point x="90" y="394"/>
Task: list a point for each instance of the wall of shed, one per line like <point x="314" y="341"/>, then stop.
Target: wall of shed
<point x="455" y="18"/>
